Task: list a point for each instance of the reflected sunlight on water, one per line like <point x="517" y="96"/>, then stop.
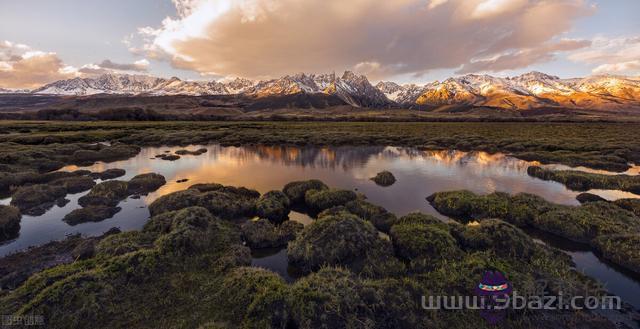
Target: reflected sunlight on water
<point x="419" y="173"/>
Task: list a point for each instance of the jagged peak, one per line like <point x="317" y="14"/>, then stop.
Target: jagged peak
<point x="535" y="75"/>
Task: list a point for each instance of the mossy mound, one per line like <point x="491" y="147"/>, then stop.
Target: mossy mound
<point x="418" y="217"/>
<point x="378" y="216"/>
<point x="621" y="249"/>
<point x="120" y="244"/>
<point x="274" y="206"/>
<point x="632" y="205"/>
<point x="342" y="239"/>
<point x="384" y="178"/>
<point x="263" y="234"/>
<point x="319" y="200"/>
<point x="466" y="205"/>
<point x="588" y="197"/>
<point x="296" y="190"/>
<point x="582" y="181"/>
<point x="9" y="222"/>
<point x="75" y="184"/>
<point x="585" y="223"/>
<point x="90" y="214"/>
<point x="109" y="174"/>
<point x="189" y="152"/>
<point x="337" y="298"/>
<point x="191" y="231"/>
<point x="105" y="153"/>
<point x="222" y="201"/>
<point x="108" y="193"/>
<point x="169" y="157"/>
<point x="36" y="199"/>
<point x="174" y="201"/>
<point x="206" y="187"/>
<point x="145" y="183"/>
<point x="254" y="297"/>
<point x="500" y="237"/>
<point x="228" y="204"/>
<point x="423" y="241"/>
<point x="588" y="221"/>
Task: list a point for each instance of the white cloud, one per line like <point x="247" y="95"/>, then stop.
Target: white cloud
<point x="619" y="55"/>
<point x="24" y="67"/>
<point x="273" y="37"/>
<point x="630" y="67"/>
<point x="524" y="57"/>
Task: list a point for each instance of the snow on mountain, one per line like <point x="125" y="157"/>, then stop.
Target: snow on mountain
<point x="353" y="89"/>
<point x="141" y="84"/>
<point x="238" y="85"/>
<point x="526" y="91"/>
<point x="14" y="91"/>
<point x="530" y="90"/>
<point x="390" y="89"/>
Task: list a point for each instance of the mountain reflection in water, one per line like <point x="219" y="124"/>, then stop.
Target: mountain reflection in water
<point x="419" y="173"/>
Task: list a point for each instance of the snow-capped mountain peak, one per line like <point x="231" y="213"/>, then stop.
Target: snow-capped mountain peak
<point x="529" y="90"/>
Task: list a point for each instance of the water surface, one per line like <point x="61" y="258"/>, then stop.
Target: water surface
<point x="418" y="173"/>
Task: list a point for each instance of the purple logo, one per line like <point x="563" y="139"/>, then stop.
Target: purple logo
<point x="494" y="291"/>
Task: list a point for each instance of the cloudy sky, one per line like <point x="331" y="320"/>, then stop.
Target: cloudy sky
<point x="402" y="40"/>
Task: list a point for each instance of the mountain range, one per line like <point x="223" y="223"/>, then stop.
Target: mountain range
<point x="528" y="91"/>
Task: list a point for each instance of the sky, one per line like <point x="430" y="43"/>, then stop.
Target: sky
<point x="407" y="41"/>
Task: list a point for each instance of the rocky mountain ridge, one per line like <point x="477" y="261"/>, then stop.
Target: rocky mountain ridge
<point x="524" y="92"/>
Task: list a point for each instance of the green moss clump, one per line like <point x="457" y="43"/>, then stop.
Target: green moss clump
<point x="274" y="206"/>
<point x="324" y="199"/>
<point x="262" y="233"/>
<point x="585" y="223"/>
<point x="9" y="222"/>
<point x="621" y="249"/>
<point x="189" y="152"/>
<point x="336" y="298"/>
<point x="581" y="181"/>
<point x="108" y="193"/>
<point x="228" y="204"/>
<point x="121" y="243"/>
<point x="296" y="190"/>
<point x="105" y="153"/>
<point x="384" y="178"/>
<point x="519" y="209"/>
<point x="588" y="221"/>
<point x="192" y="230"/>
<point x="343" y="239"/>
<point x="174" y="201"/>
<point x="170" y="157"/>
<point x="109" y="174"/>
<point x="501" y="238"/>
<point x="206" y="187"/>
<point x="35" y="199"/>
<point x="145" y="183"/>
<point x="254" y="297"/>
<point x="90" y="214"/>
<point x="222" y="201"/>
<point x="75" y="184"/>
<point x="632" y="205"/>
<point x="422" y="241"/>
<point x="378" y="216"/>
<point x="589" y="197"/>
